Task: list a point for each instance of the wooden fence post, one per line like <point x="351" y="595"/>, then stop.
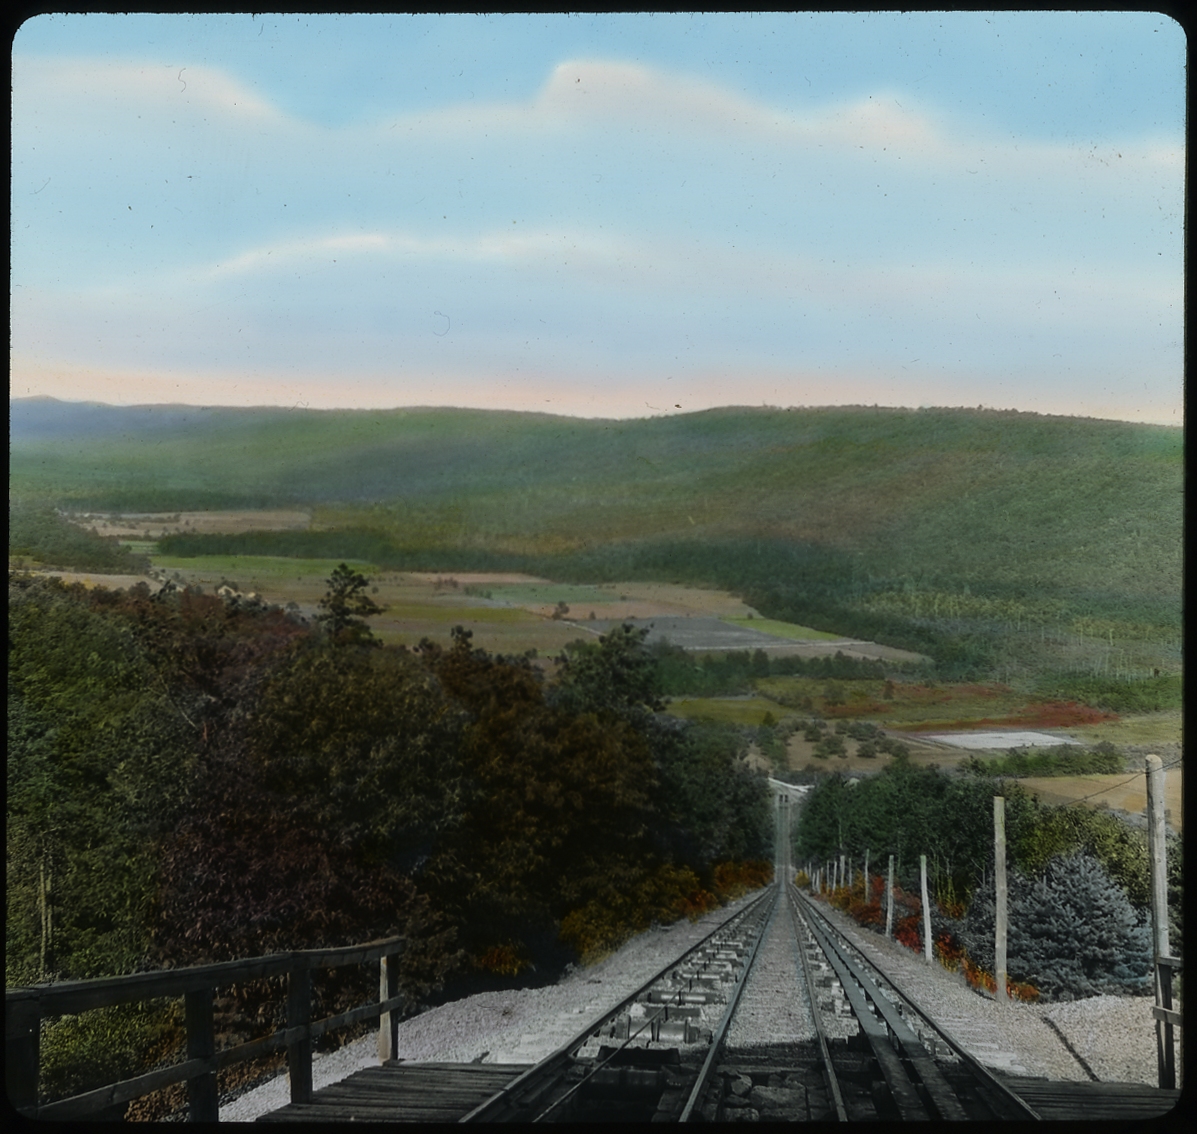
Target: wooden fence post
<point x="889" y="908"/>
<point x="388" y="1022"/>
<point x="202" y="1097"/>
<point x="22" y="1041"/>
<point x="299" y="1013"/>
<point x="999" y="899"/>
<point x="1158" y="847"/>
<point x="926" y="909"/>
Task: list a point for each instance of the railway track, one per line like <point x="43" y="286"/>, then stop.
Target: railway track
<point x="855" y="1049"/>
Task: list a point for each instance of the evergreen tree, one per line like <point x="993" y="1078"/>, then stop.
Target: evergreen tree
<point x="1072" y="932"/>
<point x="345" y="605"/>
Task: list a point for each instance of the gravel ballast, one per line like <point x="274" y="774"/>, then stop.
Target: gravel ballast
<point x="1114" y="1036"/>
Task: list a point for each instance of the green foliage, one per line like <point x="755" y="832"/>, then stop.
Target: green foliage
<point x="99" y="761"/>
<point x="1119" y="847"/>
<point x="711" y="805"/>
<point x="617" y="674"/>
<point x="907" y="811"/>
<point x="40" y="534"/>
<point x="1072" y="931"/>
<point x="81" y="1053"/>
<point x="1064" y="760"/>
<point x="345" y="606"/>
<point x="735" y="671"/>
<point x="1142" y="695"/>
<point x="772" y="746"/>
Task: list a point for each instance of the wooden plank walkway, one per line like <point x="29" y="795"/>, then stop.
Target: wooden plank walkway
<point x="403" y="1092"/>
<point x="1109" y="1102"/>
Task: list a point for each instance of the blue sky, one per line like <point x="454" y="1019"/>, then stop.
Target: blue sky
<point x="604" y="215"/>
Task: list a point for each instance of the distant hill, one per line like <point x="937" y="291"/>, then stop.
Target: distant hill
<point x="924" y="516"/>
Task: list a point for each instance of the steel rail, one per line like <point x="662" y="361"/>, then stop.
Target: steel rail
<point x="829" y="1074"/>
<point x="525" y="1080"/>
<point x="978" y="1069"/>
<point x="923" y="1061"/>
<point x="708" y="1064"/>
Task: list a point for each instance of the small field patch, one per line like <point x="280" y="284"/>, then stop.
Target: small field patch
<point x="1000" y="740"/>
<point x="725" y="710"/>
<point x="785" y="629"/>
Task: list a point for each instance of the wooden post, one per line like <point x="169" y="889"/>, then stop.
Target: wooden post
<point x="202" y="1098"/>
<point x="889" y="908"/>
<point x="22" y="1041"/>
<point x="299" y="1012"/>
<point x="926" y="909"/>
<point x="388" y="1022"/>
<point x="1158" y="847"/>
<point x="1000" y="898"/>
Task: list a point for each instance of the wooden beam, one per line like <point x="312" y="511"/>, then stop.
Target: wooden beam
<point x="202" y="1102"/>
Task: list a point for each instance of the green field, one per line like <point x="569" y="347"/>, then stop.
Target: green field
<point x="783" y="629"/>
<point x="741" y="711"/>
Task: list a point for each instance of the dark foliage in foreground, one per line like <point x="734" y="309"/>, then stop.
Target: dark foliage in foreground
<point x="192" y="779"/>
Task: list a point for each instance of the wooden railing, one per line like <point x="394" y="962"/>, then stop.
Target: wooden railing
<point x="1166" y="1019"/>
<point x="27" y="1007"/>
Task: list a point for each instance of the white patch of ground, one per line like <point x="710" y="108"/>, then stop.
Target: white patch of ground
<point x="997" y="739"/>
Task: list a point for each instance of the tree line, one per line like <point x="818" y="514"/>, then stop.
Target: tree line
<point x="1079" y="877"/>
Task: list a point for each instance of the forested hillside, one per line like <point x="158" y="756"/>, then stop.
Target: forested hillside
<point x="1004" y="543"/>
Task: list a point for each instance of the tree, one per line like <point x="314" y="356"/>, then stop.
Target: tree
<point x="345" y="605"/>
<point x="617" y="675"/>
<point x="1072" y="931"/>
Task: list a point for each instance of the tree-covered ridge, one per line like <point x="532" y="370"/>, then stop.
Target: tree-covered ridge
<point x="193" y="778"/>
<point x="1000" y="543"/>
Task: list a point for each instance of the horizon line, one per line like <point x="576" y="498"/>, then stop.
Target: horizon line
<point x="426" y="407"/>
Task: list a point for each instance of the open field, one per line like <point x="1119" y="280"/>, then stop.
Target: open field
<point x="783" y="629"/>
<point x="801" y="754"/>
<point x="725" y="710"/>
<point x="152" y="525"/>
<point x="510" y="612"/>
<point x="94" y="579"/>
<point x="1145" y="728"/>
<point x="1127" y="792"/>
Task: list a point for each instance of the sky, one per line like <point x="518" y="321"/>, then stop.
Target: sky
<point x="605" y="215"/>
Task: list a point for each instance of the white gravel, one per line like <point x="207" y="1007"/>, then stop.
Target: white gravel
<point x="1114" y="1035"/>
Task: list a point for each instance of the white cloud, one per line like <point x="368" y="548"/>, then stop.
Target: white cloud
<point x="71" y="89"/>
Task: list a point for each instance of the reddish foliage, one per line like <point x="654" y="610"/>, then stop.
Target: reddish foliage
<point x="909" y="931"/>
<point x="735" y="878"/>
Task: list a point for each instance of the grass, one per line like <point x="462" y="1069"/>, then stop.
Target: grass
<point x="783" y="629"/>
<point x="548" y="594"/>
<point x="748" y="711"/>
<point x="1148" y="728"/>
<point x="262" y="566"/>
